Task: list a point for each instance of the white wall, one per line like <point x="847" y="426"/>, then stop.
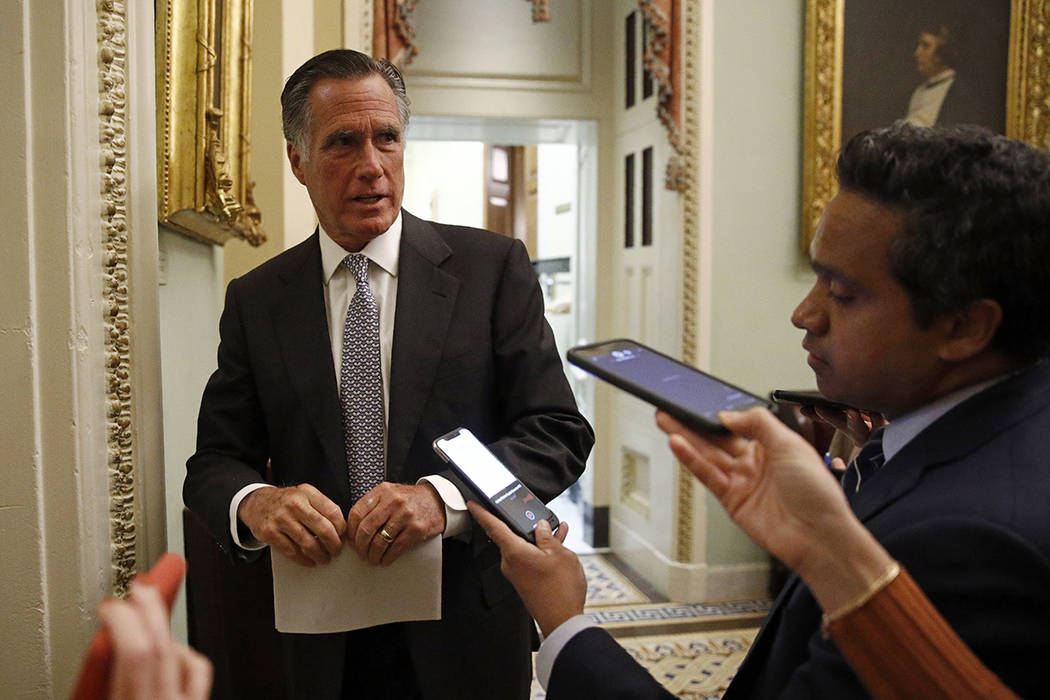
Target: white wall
<point x="55" y="367"/>
<point x="556" y="200"/>
<point x="758" y="272"/>
<point x="190" y="285"/>
<point x="445" y="181"/>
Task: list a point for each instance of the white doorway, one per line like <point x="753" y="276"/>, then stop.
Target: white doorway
<point x="445" y="181"/>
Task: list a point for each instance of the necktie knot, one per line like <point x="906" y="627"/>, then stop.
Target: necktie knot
<point x="870" y="460"/>
<point x="357" y="263"/>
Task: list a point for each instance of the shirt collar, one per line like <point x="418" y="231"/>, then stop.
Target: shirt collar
<point x="946" y="74"/>
<point x="900" y="431"/>
<point x="384" y="250"/>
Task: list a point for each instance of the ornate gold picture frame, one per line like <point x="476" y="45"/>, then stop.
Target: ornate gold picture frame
<point x="1027" y="90"/>
<point x="203" y="119"/>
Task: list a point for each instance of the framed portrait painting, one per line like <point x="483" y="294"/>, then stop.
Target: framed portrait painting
<point x="203" y="54"/>
<point x="870" y="63"/>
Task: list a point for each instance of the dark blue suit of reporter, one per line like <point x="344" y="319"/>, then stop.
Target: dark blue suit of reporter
<point x="929" y="306"/>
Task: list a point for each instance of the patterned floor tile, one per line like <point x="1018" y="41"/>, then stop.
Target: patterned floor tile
<point x="606" y="585"/>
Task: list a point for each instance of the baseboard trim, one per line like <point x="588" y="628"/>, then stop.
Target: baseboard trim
<point x="686" y="582"/>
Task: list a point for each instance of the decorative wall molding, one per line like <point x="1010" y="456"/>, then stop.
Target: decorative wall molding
<point x="204" y="59"/>
<point x="1031" y="35"/>
<point x="690" y="312"/>
<point x="358" y="24"/>
<point x="634" y="480"/>
<point x="113" y="138"/>
<point x="541" y="10"/>
<point x="687" y="582"/>
<point x="481" y="76"/>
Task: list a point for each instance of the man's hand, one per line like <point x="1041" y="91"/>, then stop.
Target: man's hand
<point x="547" y="575"/>
<point x="300" y="522"/>
<point x="407" y="514"/>
<point x="771" y="482"/>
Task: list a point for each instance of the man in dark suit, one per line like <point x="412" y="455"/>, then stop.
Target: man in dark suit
<point x="929" y="307"/>
<point x="454" y="335"/>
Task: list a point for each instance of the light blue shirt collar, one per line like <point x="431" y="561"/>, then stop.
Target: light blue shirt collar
<point x="903" y="430"/>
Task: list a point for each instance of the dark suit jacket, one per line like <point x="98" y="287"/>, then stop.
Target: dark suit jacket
<point x="470" y="348"/>
<point x="965" y="507"/>
<point x="963" y="105"/>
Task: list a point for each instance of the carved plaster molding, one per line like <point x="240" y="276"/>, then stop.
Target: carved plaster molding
<point x="1030" y="33"/>
<point x="634" y="480"/>
<point x="689" y="151"/>
<point x="365" y="11"/>
<point x="113" y="73"/>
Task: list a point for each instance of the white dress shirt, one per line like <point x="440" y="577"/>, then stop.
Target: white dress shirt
<point x="925" y="104"/>
<point x="339" y="287"/>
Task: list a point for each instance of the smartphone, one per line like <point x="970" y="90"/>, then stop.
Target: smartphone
<point x="808" y="398"/>
<point x="691" y="396"/>
<point x="493" y="484"/>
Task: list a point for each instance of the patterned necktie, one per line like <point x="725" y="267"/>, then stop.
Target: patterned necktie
<point x="361" y="385"/>
<point x="870" y="459"/>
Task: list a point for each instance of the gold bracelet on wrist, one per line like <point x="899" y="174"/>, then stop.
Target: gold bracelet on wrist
<point x="877" y="585"/>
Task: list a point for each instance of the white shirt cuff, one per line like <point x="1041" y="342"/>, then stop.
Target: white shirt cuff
<point x="457" y="517"/>
<point x="555" y="642"/>
<point x="252" y="544"/>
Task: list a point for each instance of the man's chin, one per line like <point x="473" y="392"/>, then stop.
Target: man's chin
<point x="358" y="232"/>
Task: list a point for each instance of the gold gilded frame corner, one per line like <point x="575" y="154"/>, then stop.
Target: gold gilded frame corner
<point x="1027" y="94"/>
<point x="203" y="54"/>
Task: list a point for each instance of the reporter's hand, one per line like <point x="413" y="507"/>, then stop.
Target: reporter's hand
<point x="409" y="514"/>
<point x="547" y="575"/>
<point x="300" y="522"/>
<point x="147" y="663"/>
<point x="771" y="482"/>
<point x="857" y="425"/>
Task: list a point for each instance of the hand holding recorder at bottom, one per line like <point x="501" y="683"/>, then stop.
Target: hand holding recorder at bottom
<point x="547" y="575"/>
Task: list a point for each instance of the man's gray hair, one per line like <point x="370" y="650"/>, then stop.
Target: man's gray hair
<point x="342" y="64"/>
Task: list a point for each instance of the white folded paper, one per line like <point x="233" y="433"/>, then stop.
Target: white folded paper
<point x="348" y="594"/>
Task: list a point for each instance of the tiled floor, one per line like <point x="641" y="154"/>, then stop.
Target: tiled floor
<point x="693" y="649"/>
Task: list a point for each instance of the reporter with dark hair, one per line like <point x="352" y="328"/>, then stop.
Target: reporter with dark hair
<point x="929" y="307"/>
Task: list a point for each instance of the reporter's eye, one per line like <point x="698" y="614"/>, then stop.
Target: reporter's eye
<point x="840" y="297"/>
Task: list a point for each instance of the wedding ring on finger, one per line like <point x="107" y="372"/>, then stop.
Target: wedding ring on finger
<point x="387" y="537"/>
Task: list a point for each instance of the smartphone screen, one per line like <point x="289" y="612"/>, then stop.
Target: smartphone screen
<point x="503" y="491"/>
<point x="685" y="392"/>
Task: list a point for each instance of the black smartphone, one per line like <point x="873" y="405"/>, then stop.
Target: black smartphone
<point x="691" y="396"/>
<point x="807" y="398"/>
<point x="493" y="484"/>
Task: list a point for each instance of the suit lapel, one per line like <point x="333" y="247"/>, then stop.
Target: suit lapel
<point x="957" y="433"/>
<point x="426" y="296"/>
<point x="301" y="328"/>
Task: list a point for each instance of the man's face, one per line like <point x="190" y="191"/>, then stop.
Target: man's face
<point x="927" y="61"/>
<point x="864" y="345"/>
<point x="354" y="164"/>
